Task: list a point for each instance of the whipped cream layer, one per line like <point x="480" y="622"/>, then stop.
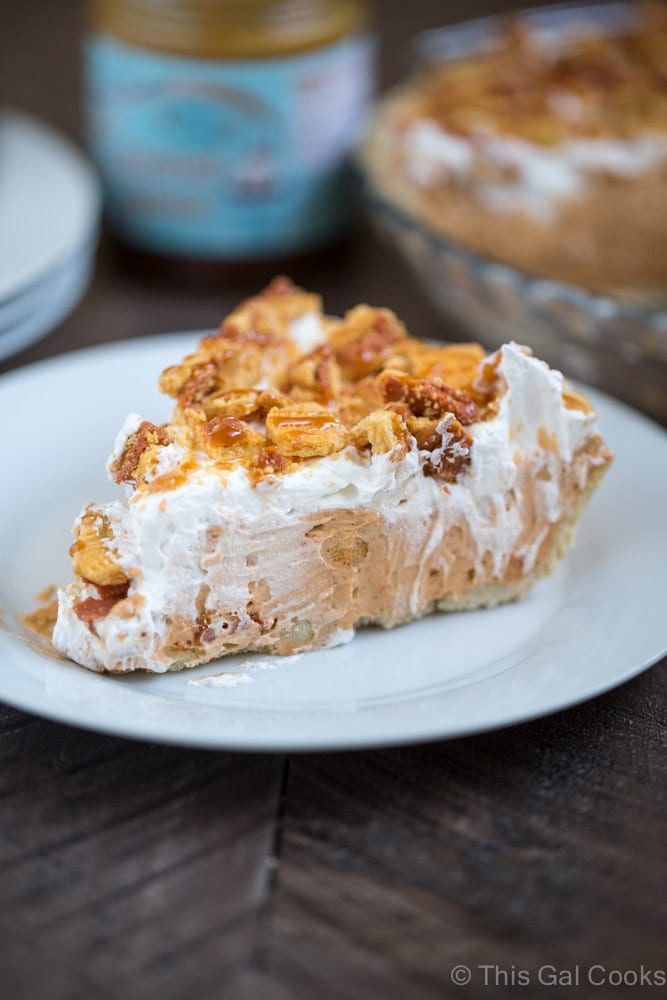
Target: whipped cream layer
<point x="509" y="174"/>
<point x="257" y="562"/>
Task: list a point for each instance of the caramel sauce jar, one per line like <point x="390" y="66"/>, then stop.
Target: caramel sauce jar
<point x="222" y="128"/>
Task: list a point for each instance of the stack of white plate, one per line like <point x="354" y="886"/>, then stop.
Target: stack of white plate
<point x="49" y="222"/>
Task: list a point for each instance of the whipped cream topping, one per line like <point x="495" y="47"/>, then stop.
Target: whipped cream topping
<point x="165" y="541"/>
<point x="531" y="178"/>
<point x="532" y="407"/>
<point x="307" y="332"/>
<point x="129" y="426"/>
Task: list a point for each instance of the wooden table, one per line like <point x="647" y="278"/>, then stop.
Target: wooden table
<point x="128" y="869"/>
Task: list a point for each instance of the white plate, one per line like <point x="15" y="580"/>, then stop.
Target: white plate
<point x="598" y="622"/>
<point x="18" y="308"/>
<point x="50" y="305"/>
<point x="49" y="203"/>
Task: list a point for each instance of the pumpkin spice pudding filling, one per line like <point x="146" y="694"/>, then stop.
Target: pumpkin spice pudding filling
<point x="547" y="153"/>
<point x="320" y="474"/>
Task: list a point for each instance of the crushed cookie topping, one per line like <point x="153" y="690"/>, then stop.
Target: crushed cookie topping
<point x="367" y="384"/>
<point x="317" y="375"/>
<point x="611" y="85"/>
<point x="573" y="400"/>
<point x="452" y="455"/>
<point x="93" y="608"/>
<point x="382" y="431"/>
<point x="306" y="430"/>
<point x="365" y="341"/>
<point x="139" y="448"/>
<point x="92" y="556"/>
<point x="269" y="461"/>
<point x="428" y="397"/>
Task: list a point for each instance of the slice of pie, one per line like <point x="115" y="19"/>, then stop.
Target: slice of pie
<point x="321" y="474"/>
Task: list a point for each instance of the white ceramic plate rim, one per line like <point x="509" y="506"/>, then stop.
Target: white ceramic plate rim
<point x="50" y="202"/>
<point x="62" y="296"/>
<point x="236" y="728"/>
<point x="20" y="308"/>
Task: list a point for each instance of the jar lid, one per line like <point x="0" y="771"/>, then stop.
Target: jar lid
<point x="232" y="28"/>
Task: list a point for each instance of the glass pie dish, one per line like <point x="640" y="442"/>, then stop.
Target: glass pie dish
<point x="611" y="341"/>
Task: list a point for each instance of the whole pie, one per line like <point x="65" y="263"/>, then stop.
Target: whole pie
<point x="318" y="475"/>
<point x="548" y="152"/>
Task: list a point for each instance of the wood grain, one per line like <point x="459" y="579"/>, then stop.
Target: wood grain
<point x="541" y="844"/>
<point x="133" y="870"/>
<point x="128" y="866"/>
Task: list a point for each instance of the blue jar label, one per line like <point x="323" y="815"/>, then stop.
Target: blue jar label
<point x="226" y="159"/>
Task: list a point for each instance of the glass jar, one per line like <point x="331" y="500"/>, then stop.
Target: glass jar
<point x="221" y="128"/>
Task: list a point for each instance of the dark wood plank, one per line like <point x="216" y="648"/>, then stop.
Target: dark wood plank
<point x="542" y="844"/>
<point x="127" y="866"/>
